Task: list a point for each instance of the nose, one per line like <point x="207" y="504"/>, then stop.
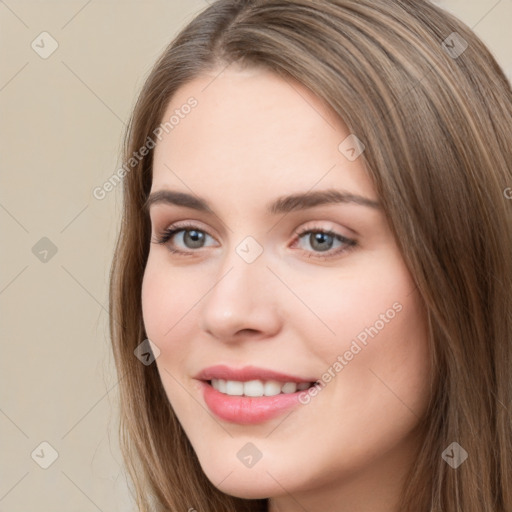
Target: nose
<point x="242" y="302"/>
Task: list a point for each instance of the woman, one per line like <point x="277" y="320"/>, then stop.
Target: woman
<point x="311" y="294"/>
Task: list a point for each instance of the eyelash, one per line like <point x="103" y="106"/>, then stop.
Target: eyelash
<point x="166" y="235"/>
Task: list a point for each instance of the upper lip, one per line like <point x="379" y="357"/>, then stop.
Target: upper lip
<point x="247" y="373"/>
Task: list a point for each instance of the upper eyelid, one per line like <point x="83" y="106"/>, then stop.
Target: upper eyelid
<point x="298" y="233"/>
<point x="155" y="214"/>
<point x="186" y="226"/>
<point x="190" y="225"/>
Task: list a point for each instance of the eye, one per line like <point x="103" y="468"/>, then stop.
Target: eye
<point x="319" y="239"/>
<point x="322" y="241"/>
<point x="191" y="236"/>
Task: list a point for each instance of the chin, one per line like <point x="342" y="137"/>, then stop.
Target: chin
<point x="247" y="483"/>
<point x="250" y="487"/>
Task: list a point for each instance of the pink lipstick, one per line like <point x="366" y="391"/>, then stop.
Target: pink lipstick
<point x="250" y="395"/>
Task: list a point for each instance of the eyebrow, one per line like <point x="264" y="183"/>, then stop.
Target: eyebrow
<point x="283" y="204"/>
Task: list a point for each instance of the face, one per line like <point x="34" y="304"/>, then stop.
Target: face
<point x="247" y="293"/>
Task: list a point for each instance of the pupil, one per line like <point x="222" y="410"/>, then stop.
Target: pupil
<point x="320" y="238"/>
<point x="195" y="237"/>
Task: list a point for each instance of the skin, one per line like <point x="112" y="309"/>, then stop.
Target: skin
<point x="254" y="137"/>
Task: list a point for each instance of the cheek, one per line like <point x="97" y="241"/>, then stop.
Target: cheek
<point x="154" y="304"/>
<point x="378" y="357"/>
<point x="384" y="370"/>
<point x="363" y="305"/>
<point x="166" y="300"/>
<point x="167" y="309"/>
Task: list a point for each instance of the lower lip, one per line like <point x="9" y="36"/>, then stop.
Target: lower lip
<point x="246" y="410"/>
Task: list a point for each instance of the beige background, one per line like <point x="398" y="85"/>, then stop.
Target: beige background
<point x="61" y="124"/>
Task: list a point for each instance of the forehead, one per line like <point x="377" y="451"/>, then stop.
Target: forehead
<point x="251" y="129"/>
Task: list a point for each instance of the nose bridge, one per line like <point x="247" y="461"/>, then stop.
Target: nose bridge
<point x="241" y="297"/>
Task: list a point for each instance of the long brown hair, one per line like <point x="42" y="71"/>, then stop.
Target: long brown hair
<point x="434" y="111"/>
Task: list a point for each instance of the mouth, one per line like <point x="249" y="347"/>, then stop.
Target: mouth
<point x="257" y="388"/>
<point x="250" y="395"/>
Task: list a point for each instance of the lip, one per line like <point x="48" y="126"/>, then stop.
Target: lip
<point x="245" y="410"/>
<point x="247" y="373"/>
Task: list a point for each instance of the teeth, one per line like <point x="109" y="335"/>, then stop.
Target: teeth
<point x="234" y="388"/>
<point x="257" y="388"/>
<point x="290" y="387"/>
<point x="253" y="388"/>
<point x="272" y="388"/>
<point x="221" y="385"/>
